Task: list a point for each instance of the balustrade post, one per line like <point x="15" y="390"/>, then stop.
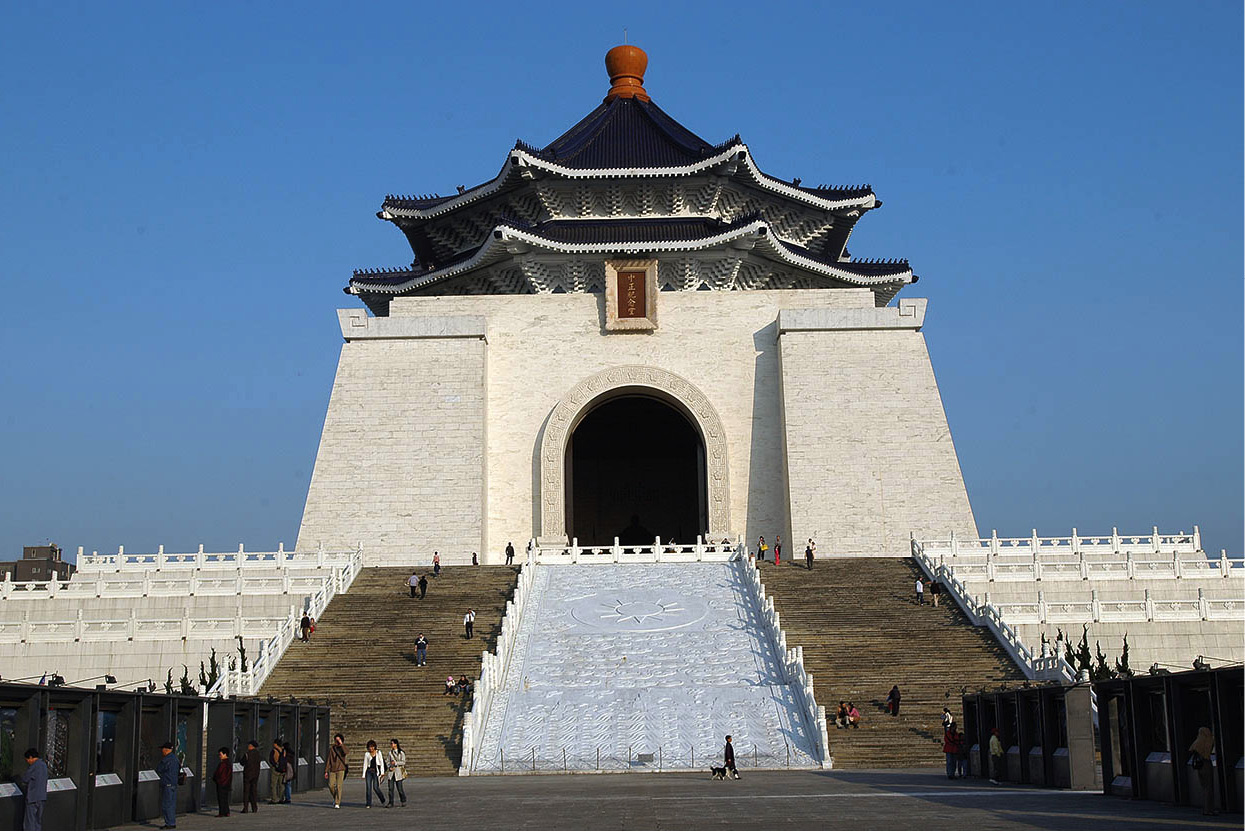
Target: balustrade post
<point x="193" y="583"/>
<point x="1037" y="568"/>
<point x="1076" y="542"/>
<point x="955" y="545"/>
<point x="6" y="587"/>
<point x="1223" y="563"/>
<point x="657" y="550"/>
<point x="52" y="586"/>
<point x="160" y="557"/>
<point x="994" y="542"/>
<point x="1042" y="606"/>
<point x="185" y="624"/>
<point x="1095" y="606"/>
<point x="241" y="556"/>
<point x="285" y="582"/>
<point x="700" y="548"/>
<point x="147" y="584"/>
<point x="99" y="585"/>
<point x="1149" y="606"/>
<point x="616" y="549"/>
<point x="131" y="627"/>
<point x="25" y="625"/>
<point x="1115" y="540"/>
<point x="237" y="620"/>
<point x="1084" y="567"/>
<point x="1130" y="566"/>
<point x="238" y="584"/>
<point x="1176" y="565"/>
<point x="79" y="626"/>
<point x="1154" y="540"/>
<point x="1034" y="544"/>
<point x="1203" y="606"/>
<point x="989" y="567"/>
<point x="199" y="559"/>
<point x="574" y="550"/>
<point x="1197" y="539"/>
<point x="80" y="558"/>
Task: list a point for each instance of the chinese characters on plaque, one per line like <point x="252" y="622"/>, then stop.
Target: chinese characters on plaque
<point x="630" y="295"/>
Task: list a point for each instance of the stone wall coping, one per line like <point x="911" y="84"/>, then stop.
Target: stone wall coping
<point x="909" y="314"/>
<point x="356" y="324"/>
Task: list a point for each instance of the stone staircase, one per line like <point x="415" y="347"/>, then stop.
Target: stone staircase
<point x="861" y="631"/>
<point x="362" y="659"/>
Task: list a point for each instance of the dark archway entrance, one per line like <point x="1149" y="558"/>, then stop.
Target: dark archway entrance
<point x="635" y="469"/>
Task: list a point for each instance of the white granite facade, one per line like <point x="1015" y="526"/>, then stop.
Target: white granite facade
<point x="434" y="431"/>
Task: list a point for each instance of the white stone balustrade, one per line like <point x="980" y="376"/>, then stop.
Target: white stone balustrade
<point x="121" y="561"/>
<point x="493" y="665"/>
<point x="657" y="552"/>
<point x="1071" y="547"/>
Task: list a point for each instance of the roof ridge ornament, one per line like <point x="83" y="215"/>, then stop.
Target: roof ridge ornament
<point x="626" y="65"/>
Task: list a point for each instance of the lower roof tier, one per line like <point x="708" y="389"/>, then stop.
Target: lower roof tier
<point x="569" y="255"/>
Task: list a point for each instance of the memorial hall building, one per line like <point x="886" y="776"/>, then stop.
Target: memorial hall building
<point x="632" y="332"/>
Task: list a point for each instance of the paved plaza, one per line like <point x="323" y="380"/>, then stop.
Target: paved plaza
<point x="922" y="799"/>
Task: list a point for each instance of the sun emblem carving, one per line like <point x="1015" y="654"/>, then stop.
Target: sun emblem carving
<point x="640" y="612"/>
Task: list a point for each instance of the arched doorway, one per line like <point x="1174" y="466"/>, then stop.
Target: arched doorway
<point x="635" y="470"/>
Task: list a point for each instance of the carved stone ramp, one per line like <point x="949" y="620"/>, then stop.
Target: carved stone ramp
<point x="642" y="667"/>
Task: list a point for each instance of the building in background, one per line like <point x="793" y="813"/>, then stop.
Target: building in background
<point x="38" y="563"/>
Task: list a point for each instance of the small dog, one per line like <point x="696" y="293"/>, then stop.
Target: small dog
<point x="717" y="772"/>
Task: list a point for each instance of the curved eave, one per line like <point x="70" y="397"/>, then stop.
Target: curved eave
<point x="504" y="238"/>
<point x="520" y="159"/>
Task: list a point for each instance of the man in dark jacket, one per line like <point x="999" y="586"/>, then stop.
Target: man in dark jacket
<point x="276" y="774"/>
<point x="728" y="758"/>
<point x="223" y="778"/>
<point x="250" y="777"/>
<point x="168" y="770"/>
<point x="423" y="586"/>
<point x="34" y="785"/>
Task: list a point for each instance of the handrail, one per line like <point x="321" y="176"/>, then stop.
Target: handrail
<point x="494" y="665"/>
<point x="239" y="682"/>
<point x="122" y="561"/>
<point x="656" y="552"/>
<point x="1074" y="544"/>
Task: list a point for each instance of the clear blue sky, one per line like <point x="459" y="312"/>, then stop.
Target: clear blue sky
<point x="185" y="188"/>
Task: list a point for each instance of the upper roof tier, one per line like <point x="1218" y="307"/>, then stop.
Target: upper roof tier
<point x="628" y="160"/>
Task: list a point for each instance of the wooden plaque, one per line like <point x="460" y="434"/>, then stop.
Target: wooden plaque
<point x="630" y="295"/>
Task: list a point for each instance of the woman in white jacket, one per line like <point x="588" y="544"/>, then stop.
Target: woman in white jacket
<point x="397" y="771"/>
<point x="373" y="770"/>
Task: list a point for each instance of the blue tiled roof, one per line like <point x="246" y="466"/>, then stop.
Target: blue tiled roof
<point x="626" y="133"/>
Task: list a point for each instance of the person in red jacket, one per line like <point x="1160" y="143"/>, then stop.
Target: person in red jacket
<point x="223" y="778"/>
<point x="951" y="747"/>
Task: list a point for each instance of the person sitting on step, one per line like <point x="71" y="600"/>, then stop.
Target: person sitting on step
<point x="840" y="716"/>
<point x="449" y="686"/>
<point x="853" y="715"/>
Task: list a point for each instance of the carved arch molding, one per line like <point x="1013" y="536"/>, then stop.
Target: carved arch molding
<point x="664" y="385"/>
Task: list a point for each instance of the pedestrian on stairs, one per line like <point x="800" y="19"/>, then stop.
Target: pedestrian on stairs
<point x="413" y="583"/>
<point x="728" y="759"/>
<point x="762" y="548"/>
<point x="920" y="593"/>
<point x="335" y="769"/>
<point x="892" y="700"/>
<point x="469" y="622"/>
<point x="935" y="589"/>
<point x="305" y="626"/>
<point x="436" y="564"/>
<point x="373" y="770"/>
<point x="475" y="559"/>
<point x="808" y="553"/>
<point x="421" y="651"/>
<point x="509" y="553"/>
<point x="853" y="715"/>
<point x="423" y="586"/>
<point x="778" y="550"/>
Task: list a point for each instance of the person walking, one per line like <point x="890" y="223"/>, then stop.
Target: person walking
<point x="169" y="771"/>
<point x="250" y="777"/>
<point x="996" y="757"/>
<point x="892" y="700"/>
<point x="223" y="778"/>
<point x="421" y="651"/>
<point x="305" y="626"/>
<point x="475" y="559"/>
<point x="276" y="774"/>
<point x="1199" y="759"/>
<point x="935" y="589"/>
<point x="34" y="785"/>
<point x="808" y="554"/>
<point x="288" y="761"/>
<point x="728" y="759"/>
<point x="920" y="593"/>
<point x="413" y="583"/>
<point x="373" y="770"/>
<point x="335" y="769"/>
<point x="951" y="748"/>
<point x="436" y="564"/>
<point x="469" y="622"/>
<point x="423" y="586"/>
<point x="509" y="553"/>
<point x="397" y="771"/>
<point x="778" y="550"/>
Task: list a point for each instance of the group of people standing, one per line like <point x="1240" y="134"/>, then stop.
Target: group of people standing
<point x="377" y="768"/>
<point x="763" y="551"/>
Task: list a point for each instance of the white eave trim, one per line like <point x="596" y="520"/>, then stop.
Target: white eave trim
<point x="526" y="159"/>
<point x="758" y="228"/>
